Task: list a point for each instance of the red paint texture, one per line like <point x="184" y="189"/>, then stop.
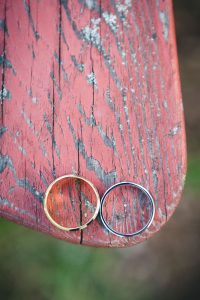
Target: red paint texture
<point x="90" y="88"/>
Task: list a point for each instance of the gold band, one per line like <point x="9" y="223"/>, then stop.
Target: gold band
<point x="47" y="194"/>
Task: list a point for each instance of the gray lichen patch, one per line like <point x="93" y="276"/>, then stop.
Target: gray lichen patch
<point x="60" y="62"/>
<point x="88" y="204"/>
<point x="111" y="20"/>
<point x="5" y="93"/>
<point x="59" y="92"/>
<point x="3" y="25"/>
<point x="165" y="21"/>
<point x="17" y="142"/>
<point x="30" y="18"/>
<point x="91" y="121"/>
<point x="79" y="66"/>
<point x="6" y="63"/>
<point x="88" y="120"/>
<point x="175" y="130"/>
<point x="6" y="162"/>
<point x="8" y="203"/>
<point x="34" y="99"/>
<point x="90" y="4"/>
<point x="108" y="141"/>
<point x="91" y="79"/>
<point x="2" y="130"/>
<point x="165" y="104"/>
<point x="91" y="33"/>
<point x="27" y="119"/>
<point x="123" y="9"/>
<point x="50" y="130"/>
<point x="22" y="149"/>
<point x="108" y="178"/>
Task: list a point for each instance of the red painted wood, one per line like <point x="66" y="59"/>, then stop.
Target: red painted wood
<point x="91" y="88"/>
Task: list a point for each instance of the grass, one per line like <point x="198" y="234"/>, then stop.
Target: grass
<point x="193" y="173"/>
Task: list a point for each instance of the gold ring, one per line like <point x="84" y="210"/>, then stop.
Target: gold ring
<point x="49" y="190"/>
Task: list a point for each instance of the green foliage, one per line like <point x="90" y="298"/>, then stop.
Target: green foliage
<point x="193" y="173"/>
<point x="35" y="266"/>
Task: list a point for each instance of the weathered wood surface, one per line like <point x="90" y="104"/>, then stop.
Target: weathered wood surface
<point x="90" y="88"/>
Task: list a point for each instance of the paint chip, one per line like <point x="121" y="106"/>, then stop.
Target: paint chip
<point x="175" y="130"/>
<point x="111" y="20"/>
<point x="79" y="66"/>
<point x="123" y="10"/>
<point x="91" y="34"/>
<point x="165" y="21"/>
<point x="5" y="93"/>
<point x="2" y="130"/>
<point x="92" y="79"/>
<point x="34" y="100"/>
<point x="90" y="4"/>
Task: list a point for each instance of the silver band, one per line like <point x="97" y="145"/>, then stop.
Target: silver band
<point x="141" y="188"/>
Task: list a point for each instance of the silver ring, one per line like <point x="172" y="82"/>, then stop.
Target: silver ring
<point x="141" y="188"/>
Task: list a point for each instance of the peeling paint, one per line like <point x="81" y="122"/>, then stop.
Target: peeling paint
<point x="50" y="129"/>
<point x="5" y="93"/>
<point x="3" y="26"/>
<point x="27" y="119"/>
<point x="90" y="4"/>
<point x="165" y="104"/>
<point x="91" y="79"/>
<point x="91" y="34"/>
<point x="8" y="203"/>
<point x="91" y="121"/>
<point x="6" y="162"/>
<point x="126" y="110"/>
<point x="11" y="189"/>
<point x="88" y="204"/>
<point x="175" y="130"/>
<point x="65" y="76"/>
<point x="108" y="178"/>
<point x="44" y="180"/>
<point x="123" y="9"/>
<point x="5" y="62"/>
<point x="59" y="92"/>
<point x="118" y="121"/>
<point x="79" y="66"/>
<point x="36" y="133"/>
<point x="111" y="20"/>
<point x="61" y="32"/>
<point x="15" y="139"/>
<point x="22" y="150"/>
<point x="34" y="99"/>
<point x="28" y="11"/>
<point x="2" y="130"/>
<point x="108" y="141"/>
<point x="154" y="36"/>
<point x="88" y="120"/>
<point x="165" y="21"/>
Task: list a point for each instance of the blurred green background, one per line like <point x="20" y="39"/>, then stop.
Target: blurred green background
<point x="35" y="266"/>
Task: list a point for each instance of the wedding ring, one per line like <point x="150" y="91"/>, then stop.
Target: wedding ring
<point x="141" y="189"/>
<point x="59" y="180"/>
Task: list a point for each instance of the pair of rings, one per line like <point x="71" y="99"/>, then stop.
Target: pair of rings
<point x="100" y="205"/>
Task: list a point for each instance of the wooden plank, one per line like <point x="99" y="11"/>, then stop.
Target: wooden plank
<point x="90" y="88"/>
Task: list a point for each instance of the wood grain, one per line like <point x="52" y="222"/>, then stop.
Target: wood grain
<point x="90" y="88"/>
